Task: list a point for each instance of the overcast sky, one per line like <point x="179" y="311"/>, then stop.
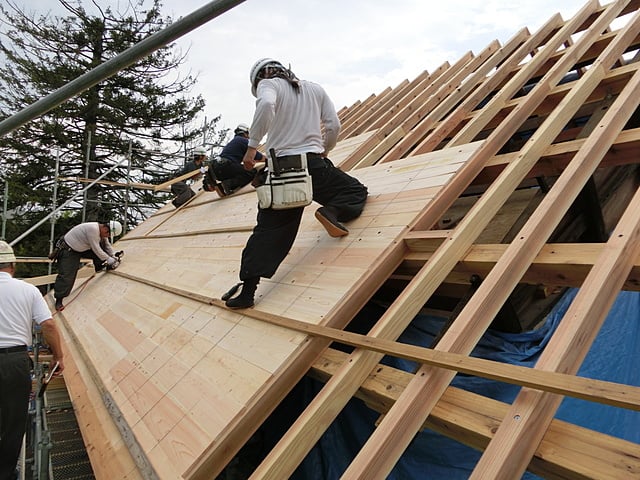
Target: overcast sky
<point x="354" y="48"/>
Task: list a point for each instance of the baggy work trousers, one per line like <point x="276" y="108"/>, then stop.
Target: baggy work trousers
<point x="183" y="193"/>
<point x="232" y="174"/>
<point x="68" y="265"/>
<point x="15" y="381"/>
<point x="276" y="230"/>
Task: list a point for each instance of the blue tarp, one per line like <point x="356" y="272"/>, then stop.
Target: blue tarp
<point x="615" y="356"/>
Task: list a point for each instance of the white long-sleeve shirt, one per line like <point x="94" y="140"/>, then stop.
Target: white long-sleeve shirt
<point x="293" y="120"/>
<point x="86" y="236"/>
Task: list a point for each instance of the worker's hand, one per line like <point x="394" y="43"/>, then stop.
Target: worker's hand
<point x="248" y="163"/>
<point x="203" y="170"/>
<point x="112" y="263"/>
<point x="60" y="363"/>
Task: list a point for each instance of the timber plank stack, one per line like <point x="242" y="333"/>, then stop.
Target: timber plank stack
<point x="471" y="170"/>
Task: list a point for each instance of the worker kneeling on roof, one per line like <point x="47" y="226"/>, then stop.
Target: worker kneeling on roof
<point x="227" y="174"/>
<point x="181" y="189"/>
<point x="87" y="240"/>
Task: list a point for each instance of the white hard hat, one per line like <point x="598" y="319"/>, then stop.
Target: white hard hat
<point x="115" y="228"/>
<point x="199" y="151"/>
<point x="6" y="253"/>
<point x="255" y="70"/>
<point x="241" y="128"/>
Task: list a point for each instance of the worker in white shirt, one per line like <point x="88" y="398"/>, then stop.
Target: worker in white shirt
<point x="87" y="240"/>
<point x="301" y="126"/>
<point x="21" y="307"/>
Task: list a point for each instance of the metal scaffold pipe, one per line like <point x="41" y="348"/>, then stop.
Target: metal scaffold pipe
<point x="117" y="63"/>
<point x="81" y="192"/>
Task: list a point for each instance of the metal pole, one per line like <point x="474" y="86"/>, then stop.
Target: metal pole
<point x="4" y="209"/>
<point x="128" y="188"/>
<point x="52" y="235"/>
<point x="117" y="63"/>
<point x="86" y="175"/>
<point x="13" y="242"/>
<point x="205" y="129"/>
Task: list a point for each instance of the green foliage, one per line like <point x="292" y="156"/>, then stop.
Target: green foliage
<point x="122" y="119"/>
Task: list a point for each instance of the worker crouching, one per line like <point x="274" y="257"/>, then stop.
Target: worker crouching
<point x="87" y="240"/>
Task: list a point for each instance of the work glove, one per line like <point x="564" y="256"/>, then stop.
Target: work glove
<point x="203" y="170"/>
<point x="119" y="254"/>
<point x="114" y="265"/>
<point x="111" y="261"/>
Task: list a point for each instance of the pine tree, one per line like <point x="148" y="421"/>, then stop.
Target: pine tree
<point x="126" y="118"/>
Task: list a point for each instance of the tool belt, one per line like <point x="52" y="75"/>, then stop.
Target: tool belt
<point x="287" y="183"/>
<point x="57" y="248"/>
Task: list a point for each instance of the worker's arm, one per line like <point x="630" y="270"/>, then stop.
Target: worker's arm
<point x="262" y="118"/>
<point x="331" y="124"/>
<point x="249" y="159"/>
<point x="52" y="338"/>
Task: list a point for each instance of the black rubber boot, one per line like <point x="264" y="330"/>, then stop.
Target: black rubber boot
<point x="59" y="305"/>
<point x="245" y="299"/>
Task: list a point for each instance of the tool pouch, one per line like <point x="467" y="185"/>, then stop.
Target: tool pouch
<point x="57" y="247"/>
<point x="287" y="184"/>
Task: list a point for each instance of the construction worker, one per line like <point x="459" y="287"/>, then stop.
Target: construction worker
<point x="21" y="307"/>
<point x="226" y="174"/>
<point x="87" y="240"/>
<point x="291" y="112"/>
<point x="181" y="189"/>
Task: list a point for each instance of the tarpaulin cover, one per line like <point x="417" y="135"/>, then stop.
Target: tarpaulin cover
<point x="615" y="356"/>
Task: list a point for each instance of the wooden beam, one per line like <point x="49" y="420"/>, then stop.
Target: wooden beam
<point x="625" y="150"/>
<point x="385" y="126"/>
<point x="557" y="264"/>
<point x="181" y="178"/>
<point x="283" y="459"/>
<point x="474" y="90"/>
<point x="322" y="410"/>
<point x="516" y="439"/>
<point x="364" y="118"/>
<point x="386" y="444"/>
<point x="608" y="393"/>
<point x="509" y="452"/>
<point x="566" y="450"/>
<point x="447" y="96"/>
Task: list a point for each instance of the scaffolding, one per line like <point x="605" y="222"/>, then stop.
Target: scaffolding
<point x="101" y="72"/>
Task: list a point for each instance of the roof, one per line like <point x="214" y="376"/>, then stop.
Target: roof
<point x="472" y="170"/>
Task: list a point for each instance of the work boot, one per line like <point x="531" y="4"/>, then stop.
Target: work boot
<point x="245" y="299"/>
<point x="59" y="305"/>
<point x="329" y="221"/>
<point x="219" y="188"/>
<point x="229" y="186"/>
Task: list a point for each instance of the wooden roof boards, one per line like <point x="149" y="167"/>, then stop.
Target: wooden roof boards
<point x="446" y="157"/>
<point x="164" y="355"/>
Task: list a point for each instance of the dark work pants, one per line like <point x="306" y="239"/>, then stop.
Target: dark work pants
<point x="233" y="174"/>
<point x="15" y="386"/>
<point x="68" y="265"/>
<point x="183" y="193"/>
<point x="276" y="230"/>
